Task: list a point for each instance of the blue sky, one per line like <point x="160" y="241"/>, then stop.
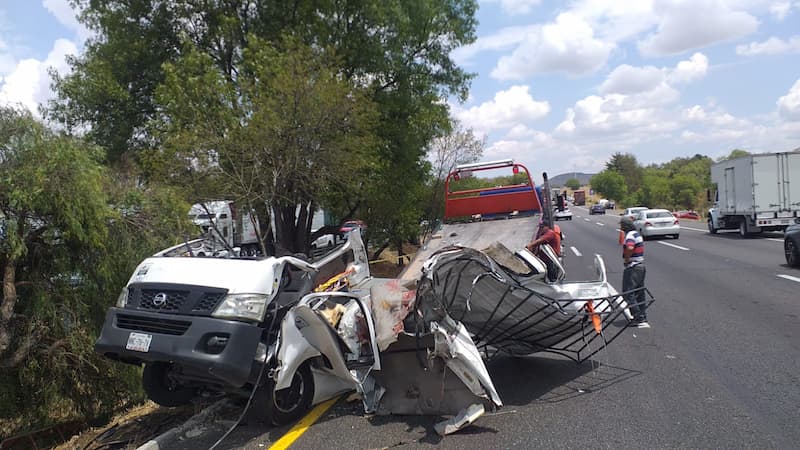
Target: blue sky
<point x="560" y="86"/>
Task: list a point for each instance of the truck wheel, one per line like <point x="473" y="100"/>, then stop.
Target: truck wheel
<point x="287" y="405"/>
<point x="792" y="253"/>
<point x="162" y="389"/>
<point x="711" y="228"/>
<point x="743" y="229"/>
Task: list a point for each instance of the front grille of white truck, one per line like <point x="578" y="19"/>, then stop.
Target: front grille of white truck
<point x="164" y="300"/>
<point x="174" y="298"/>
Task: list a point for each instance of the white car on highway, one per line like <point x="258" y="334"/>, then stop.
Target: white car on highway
<point x="657" y="222"/>
<point x="566" y="214"/>
<point x="633" y="212"/>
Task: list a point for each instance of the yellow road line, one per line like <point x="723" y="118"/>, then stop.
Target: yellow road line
<point x="300" y="427"/>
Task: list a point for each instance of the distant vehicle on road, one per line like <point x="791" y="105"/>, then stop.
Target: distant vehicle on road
<point x="755" y="193"/>
<point x="566" y="214"/>
<point x="597" y="209"/>
<point x="633" y="212"/>
<point x="351" y="225"/>
<point x="324" y="241"/>
<point x="791" y="245"/>
<point x="686" y="215"/>
<point x="657" y="222"/>
<point x="579" y="197"/>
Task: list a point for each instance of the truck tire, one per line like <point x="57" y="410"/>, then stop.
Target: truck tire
<point x="287" y="405"/>
<point x="161" y="389"/>
<point x="711" y="228"/>
<point x="743" y="229"/>
<point x="792" y="253"/>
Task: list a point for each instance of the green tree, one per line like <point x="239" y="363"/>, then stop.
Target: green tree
<point x="609" y="183"/>
<point x="110" y="90"/>
<point x="399" y="51"/>
<point x="286" y="133"/>
<point x="50" y="195"/>
<point x="656" y="191"/>
<point x="735" y="153"/>
<point x="59" y="208"/>
<point x="573" y="183"/>
<point x="627" y="166"/>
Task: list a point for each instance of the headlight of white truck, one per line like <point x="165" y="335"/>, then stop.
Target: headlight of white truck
<point x="242" y="306"/>
<point x="122" y="300"/>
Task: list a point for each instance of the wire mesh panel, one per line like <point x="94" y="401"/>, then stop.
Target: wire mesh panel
<point x="519" y="313"/>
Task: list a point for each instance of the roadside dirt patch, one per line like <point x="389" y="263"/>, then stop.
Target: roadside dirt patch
<point x="132" y="428"/>
<point x="386" y="266"/>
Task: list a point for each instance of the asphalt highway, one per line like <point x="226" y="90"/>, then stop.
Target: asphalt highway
<point x="720" y="367"/>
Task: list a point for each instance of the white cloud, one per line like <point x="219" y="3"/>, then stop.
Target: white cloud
<point x="515" y="7"/>
<point x="692" y="69"/>
<point x="789" y="104"/>
<point x="716" y="118"/>
<point x="686" y="25"/>
<point x="63" y="12"/>
<point x="696" y="112"/>
<point x="625" y="119"/>
<point x="626" y="79"/>
<point x="504" y="39"/>
<point x="615" y="20"/>
<point x="567" y="45"/>
<point x="536" y="152"/>
<point x="780" y="9"/>
<point x="520" y="131"/>
<point x="508" y="108"/>
<point x="29" y="83"/>
<point x="772" y="46"/>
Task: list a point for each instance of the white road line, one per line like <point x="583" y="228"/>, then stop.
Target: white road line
<point x="789" y="277"/>
<point x="704" y="230"/>
<point x="673" y="245"/>
<point x="601" y="224"/>
<point x="775" y="239"/>
<point x="575" y="250"/>
<point x="587" y="219"/>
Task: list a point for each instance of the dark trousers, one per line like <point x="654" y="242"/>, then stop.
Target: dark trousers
<point x="633" y="278"/>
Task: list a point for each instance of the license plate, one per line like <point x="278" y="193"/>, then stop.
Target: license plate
<point x="139" y="342"/>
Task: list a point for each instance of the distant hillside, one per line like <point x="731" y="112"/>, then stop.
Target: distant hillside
<point x="559" y="180"/>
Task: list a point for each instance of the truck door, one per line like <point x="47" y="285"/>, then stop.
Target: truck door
<point x="791" y="181"/>
<point x="730" y="190"/>
<point x="767" y="183"/>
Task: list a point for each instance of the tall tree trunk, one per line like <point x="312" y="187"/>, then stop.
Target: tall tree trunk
<point x="400" y="254"/>
<point x="9" y="301"/>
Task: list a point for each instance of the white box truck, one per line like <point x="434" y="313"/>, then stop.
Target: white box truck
<point x="221" y="220"/>
<point x="756" y="193"/>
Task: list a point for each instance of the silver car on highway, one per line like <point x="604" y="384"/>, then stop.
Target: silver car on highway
<point x="657" y="222"/>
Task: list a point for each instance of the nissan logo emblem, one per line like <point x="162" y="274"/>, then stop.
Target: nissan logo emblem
<point x="160" y="299"/>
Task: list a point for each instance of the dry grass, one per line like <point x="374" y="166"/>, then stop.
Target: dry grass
<point x="131" y="429"/>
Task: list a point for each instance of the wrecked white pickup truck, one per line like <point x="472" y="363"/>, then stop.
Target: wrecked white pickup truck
<point x="266" y="328"/>
<point x="251" y="325"/>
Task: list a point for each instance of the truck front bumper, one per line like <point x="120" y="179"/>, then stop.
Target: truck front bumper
<point x="210" y="347"/>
